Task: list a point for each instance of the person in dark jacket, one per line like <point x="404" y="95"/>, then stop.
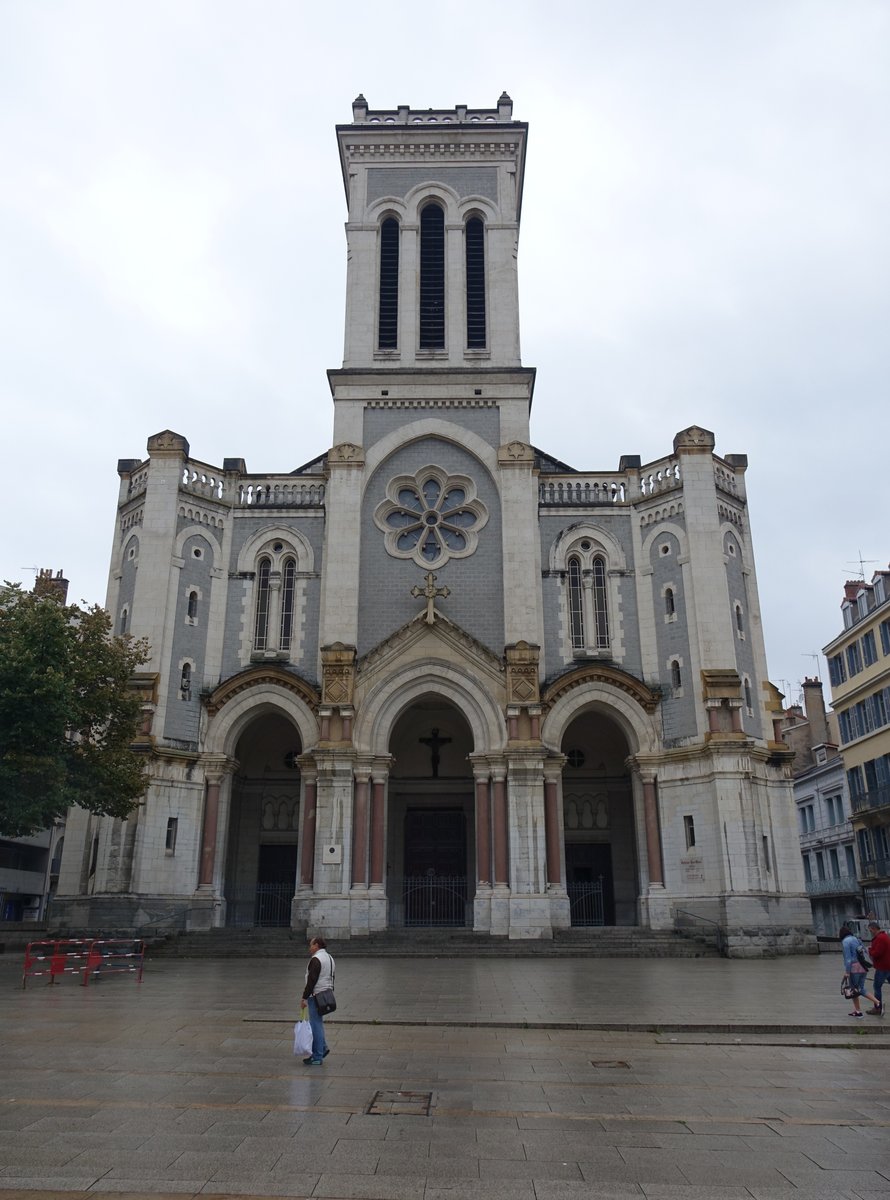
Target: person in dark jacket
<point x="879" y="952"/>
<point x="319" y="977"/>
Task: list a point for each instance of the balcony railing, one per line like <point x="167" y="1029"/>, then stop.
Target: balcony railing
<point x="878" y="797"/>
<point x="876" y="868"/>
<point x="837" y="885"/>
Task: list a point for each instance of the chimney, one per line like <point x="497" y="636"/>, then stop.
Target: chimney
<point x="48" y="582"/>
<point x="814" y="703"/>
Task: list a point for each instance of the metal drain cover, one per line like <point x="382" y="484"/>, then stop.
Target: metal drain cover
<point x="607" y="1063"/>
<point x="406" y="1104"/>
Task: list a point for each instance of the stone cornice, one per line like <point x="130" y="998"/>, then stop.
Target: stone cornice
<point x="598" y="673"/>
<point x="257" y="677"/>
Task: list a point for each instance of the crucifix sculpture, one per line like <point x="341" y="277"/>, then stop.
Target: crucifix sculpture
<point x="434" y="742"/>
<point x="430" y="592"/>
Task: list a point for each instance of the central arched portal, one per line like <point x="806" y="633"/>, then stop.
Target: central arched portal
<point x="264" y="823"/>
<point x="431" y="841"/>
<point x="602" y="870"/>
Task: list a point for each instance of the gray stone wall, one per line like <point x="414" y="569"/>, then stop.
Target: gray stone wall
<point x="476" y="602"/>
<point x="189" y="640"/>
<point x="466" y="181"/>
<point x="672" y="638"/>
<point x="129" y="567"/>
<point x="484" y="422"/>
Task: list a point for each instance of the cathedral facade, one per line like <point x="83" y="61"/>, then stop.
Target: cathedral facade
<point x="436" y="676"/>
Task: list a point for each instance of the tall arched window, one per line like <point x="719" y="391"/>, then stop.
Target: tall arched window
<point x="739" y="620"/>
<point x="185" y="682"/>
<point x="288" y="582"/>
<point x="192" y="608"/>
<point x="261" y="634"/>
<point x="600" y="604"/>
<point x="576" y="604"/>
<point x="748" y="703"/>
<point x="676" y="677"/>
<point x="475" y="246"/>
<point x="669" y="604"/>
<point x="388" y="316"/>
<point x="432" y="278"/>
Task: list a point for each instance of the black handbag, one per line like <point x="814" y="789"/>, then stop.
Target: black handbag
<point x="325" y="1002"/>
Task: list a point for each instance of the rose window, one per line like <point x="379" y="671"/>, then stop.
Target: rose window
<point x="431" y="517"/>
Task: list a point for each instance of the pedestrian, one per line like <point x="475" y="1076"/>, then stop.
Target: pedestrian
<point x="319" y="978"/>
<point x="879" y="952"/>
<point x="855" y="973"/>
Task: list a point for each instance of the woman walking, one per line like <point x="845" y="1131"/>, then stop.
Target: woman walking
<point x="319" y="978"/>
<point x="855" y="973"/>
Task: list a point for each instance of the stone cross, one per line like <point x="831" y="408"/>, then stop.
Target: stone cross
<point x="430" y="592"/>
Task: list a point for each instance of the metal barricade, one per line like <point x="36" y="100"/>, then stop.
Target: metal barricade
<point x="432" y="900"/>
<point x="87" y="957"/>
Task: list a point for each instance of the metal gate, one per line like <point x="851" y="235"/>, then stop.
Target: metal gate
<point x="586" y="903"/>
<point x="265" y="904"/>
<point x="429" y="900"/>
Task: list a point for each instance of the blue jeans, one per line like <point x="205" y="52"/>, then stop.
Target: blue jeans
<point x="881" y="978"/>
<point x="316" y="1022"/>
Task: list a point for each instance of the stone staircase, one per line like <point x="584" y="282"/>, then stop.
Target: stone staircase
<point x="603" y="942"/>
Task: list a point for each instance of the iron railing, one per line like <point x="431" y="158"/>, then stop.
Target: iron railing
<point x="876" y="797"/>
<point x="429" y="900"/>
<point x="586" y="903"/>
<point x="265" y="904"/>
<point x="684" y="923"/>
<point x="834" y="885"/>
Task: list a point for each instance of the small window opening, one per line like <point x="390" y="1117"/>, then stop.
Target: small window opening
<point x="125" y="617"/>
<point x="748" y="704"/>
<point x="689" y="830"/>
<point x="432" y="278"/>
<point x="676" y="677"/>
<point x="475" y="245"/>
<point x="766" y="856"/>
<point x="669" y="605"/>
<point x="170" y="840"/>
<point x="388" y="316"/>
<point x="192" y="610"/>
<point x="739" y="621"/>
<point x="185" y="682"/>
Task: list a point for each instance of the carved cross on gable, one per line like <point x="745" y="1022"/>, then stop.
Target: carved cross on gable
<point x="430" y="592"/>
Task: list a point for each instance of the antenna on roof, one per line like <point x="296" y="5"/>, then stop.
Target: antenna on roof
<point x="815" y="658"/>
<point x="860" y="562"/>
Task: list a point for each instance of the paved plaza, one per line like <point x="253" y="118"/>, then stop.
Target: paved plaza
<point x="496" y="1079"/>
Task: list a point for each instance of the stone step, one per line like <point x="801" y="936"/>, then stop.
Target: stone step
<point x="608" y="942"/>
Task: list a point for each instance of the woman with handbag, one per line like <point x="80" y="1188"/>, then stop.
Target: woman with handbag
<point x="855" y="970"/>
<point x="319" y="979"/>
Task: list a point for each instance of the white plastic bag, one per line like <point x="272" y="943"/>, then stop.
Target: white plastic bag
<point x="302" y="1038"/>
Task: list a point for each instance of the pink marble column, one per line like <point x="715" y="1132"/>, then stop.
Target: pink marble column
<point x="208" y="837"/>
<point x="360" y="833"/>
<point x="501" y="866"/>
<point x="483" y="832"/>
<point x="551" y="831"/>
<point x="307" y="854"/>
<point x="378" y="792"/>
<point x="735" y="716"/>
<point x="713" y="718"/>
<point x="653" y="838"/>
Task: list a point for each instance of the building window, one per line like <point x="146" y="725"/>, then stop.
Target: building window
<point x="851" y="860"/>
<point x="739" y="621"/>
<point x="288" y="589"/>
<point x="261" y="632"/>
<point x="431" y="517"/>
<point x="869" y="649"/>
<point x="836" y="672"/>
<point x="475" y="246"/>
<point x="170" y="840"/>
<point x="676" y="677"/>
<point x="124" y="621"/>
<point x="767" y="864"/>
<point x="600" y="604"/>
<point x="885" y="636"/>
<point x="576" y="604"/>
<point x="689" y="830"/>
<point x="748" y="703"/>
<point x="432" y="278"/>
<point x="807" y="869"/>
<point x="854" y="659"/>
<point x="670" y="607"/>
<point x="834" y="862"/>
<point x="388" y="315"/>
<point x="192" y="606"/>
<point x="820" y="865"/>
<point x="185" y="682"/>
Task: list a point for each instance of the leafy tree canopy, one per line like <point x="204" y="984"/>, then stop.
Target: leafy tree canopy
<point x="67" y="715"/>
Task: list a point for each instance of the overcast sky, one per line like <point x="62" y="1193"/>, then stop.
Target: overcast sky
<point x="705" y="240"/>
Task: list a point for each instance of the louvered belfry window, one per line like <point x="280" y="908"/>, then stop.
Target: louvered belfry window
<point x="475" y="244"/>
<point x="432" y="278"/>
<point x="388" y="318"/>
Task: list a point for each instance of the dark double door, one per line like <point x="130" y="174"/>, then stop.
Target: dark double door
<point x="589" y="883"/>
<point x="434" y="889"/>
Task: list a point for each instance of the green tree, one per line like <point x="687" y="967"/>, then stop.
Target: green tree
<point x="67" y="714"/>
